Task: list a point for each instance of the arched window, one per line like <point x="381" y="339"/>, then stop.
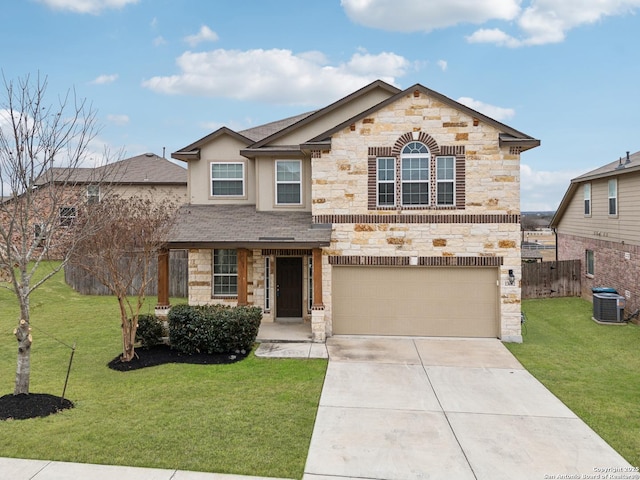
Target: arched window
<point x="414" y="174"/>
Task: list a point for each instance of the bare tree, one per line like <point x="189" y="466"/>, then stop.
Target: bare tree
<point x="42" y="146"/>
<point x="119" y="254"/>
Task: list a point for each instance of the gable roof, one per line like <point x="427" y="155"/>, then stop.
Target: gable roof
<point x="147" y="169"/>
<point x="622" y="166"/>
<point x="378" y="84"/>
<point x="509" y="136"/>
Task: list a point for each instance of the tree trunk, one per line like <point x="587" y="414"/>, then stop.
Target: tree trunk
<point x="23" y="371"/>
<point x="129" y="327"/>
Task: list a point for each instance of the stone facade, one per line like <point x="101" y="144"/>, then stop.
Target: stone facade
<point x="487" y="225"/>
<point x="616" y="265"/>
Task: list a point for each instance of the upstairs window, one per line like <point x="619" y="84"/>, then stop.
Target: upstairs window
<point x="445" y="180"/>
<point x="587" y="199"/>
<point x="288" y="182"/>
<point x="67" y="216"/>
<point x="227" y="179"/>
<point x="225" y="272"/>
<point x="386" y="181"/>
<point x="93" y="194"/>
<point x="613" y="197"/>
<point x="415" y="159"/>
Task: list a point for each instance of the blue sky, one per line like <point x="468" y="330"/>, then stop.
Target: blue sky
<point x="164" y="73"/>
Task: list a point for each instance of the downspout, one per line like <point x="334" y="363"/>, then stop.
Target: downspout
<point x="555" y="233"/>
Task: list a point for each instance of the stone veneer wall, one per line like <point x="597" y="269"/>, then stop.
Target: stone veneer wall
<point x="487" y="225"/>
<point x="612" y="268"/>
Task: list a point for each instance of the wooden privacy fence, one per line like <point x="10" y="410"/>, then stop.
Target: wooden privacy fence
<point x="551" y="279"/>
<point x="85" y="283"/>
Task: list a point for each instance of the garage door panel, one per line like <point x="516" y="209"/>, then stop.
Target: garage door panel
<point x="415" y="301"/>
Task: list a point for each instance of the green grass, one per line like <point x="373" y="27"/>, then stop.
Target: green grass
<point x="594" y="369"/>
<point x="254" y="417"/>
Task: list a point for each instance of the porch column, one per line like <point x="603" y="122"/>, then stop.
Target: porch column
<point x="163" y="280"/>
<point x="317" y="279"/>
<point x="242" y="276"/>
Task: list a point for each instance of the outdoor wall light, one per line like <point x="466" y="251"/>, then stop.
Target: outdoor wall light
<point x="512" y="278"/>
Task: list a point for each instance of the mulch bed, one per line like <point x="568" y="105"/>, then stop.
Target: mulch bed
<point x="21" y="407"/>
<point x="161" y="354"/>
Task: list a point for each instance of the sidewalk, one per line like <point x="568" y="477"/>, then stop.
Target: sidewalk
<point x="17" y="469"/>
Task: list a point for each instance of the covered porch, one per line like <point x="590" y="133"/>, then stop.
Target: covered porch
<point x="272" y="260"/>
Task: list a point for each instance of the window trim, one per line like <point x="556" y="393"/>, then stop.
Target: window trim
<point x="67" y="219"/>
<point x="586" y="189"/>
<point x="267" y="284"/>
<point x="452" y="180"/>
<point x="385" y="182"/>
<point x="227" y="275"/>
<point x="93" y="198"/>
<point x="242" y="179"/>
<point x="614" y="182"/>
<point x="287" y="182"/>
<point x="589" y="264"/>
<point x="403" y="182"/>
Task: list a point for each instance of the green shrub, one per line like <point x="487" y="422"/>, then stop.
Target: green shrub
<point x="149" y="331"/>
<point x="213" y="328"/>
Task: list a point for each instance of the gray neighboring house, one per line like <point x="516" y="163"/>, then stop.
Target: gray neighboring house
<point x="598" y="222"/>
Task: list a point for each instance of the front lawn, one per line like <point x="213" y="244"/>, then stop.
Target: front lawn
<point x="254" y="417"/>
<point x="594" y="369"/>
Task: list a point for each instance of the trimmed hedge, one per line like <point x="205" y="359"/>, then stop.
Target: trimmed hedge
<point x="213" y="328"/>
<point x="149" y="330"/>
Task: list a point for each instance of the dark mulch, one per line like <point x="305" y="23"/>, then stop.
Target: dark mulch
<point x="161" y="354"/>
<point x="32" y="405"/>
<point x="20" y="407"/>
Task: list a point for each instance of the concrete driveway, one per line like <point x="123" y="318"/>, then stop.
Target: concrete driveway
<point x="424" y="408"/>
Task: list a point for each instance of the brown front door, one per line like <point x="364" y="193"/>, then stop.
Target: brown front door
<point x="289" y="287"/>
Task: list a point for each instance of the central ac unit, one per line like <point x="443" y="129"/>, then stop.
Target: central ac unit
<point x="608" y="307"/>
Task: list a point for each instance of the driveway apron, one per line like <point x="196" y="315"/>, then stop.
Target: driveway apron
<point x="425" y="408"/>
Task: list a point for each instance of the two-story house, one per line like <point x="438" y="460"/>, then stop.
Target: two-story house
<point x="388" y="212"/>
<point x="598" y="222"/>
<point x="58" y="195"/>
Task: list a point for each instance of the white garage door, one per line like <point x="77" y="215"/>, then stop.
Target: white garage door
<point x="418" y="301"/>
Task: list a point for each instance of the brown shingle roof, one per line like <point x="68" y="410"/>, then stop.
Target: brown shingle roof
<point x="147" y="168"/>
<point x="243" y="226"/>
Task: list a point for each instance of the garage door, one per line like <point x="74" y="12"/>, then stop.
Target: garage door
<point x="458" y="302"/>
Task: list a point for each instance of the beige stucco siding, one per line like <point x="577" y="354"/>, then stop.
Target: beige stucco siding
<point x="600" y="225"/>
<point x="157" y="193"/>
<point x="333" y="118"/>
<point x="222" y="149"/>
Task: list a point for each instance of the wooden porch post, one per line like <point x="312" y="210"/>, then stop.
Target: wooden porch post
<point x="317" y="279"/>
<point x="242" y="276"/>
<point x="163" y="278"/>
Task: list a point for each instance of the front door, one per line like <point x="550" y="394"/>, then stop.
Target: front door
<point x="289" y="287"/>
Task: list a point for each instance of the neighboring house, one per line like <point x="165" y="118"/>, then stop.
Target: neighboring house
<point x="598" y="222"/>
<point x="146" y="175"/>
<point x="388" y="212"/>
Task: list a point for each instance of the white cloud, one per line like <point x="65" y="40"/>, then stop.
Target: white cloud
<point x="443" y="65"/>
<point x="542" y="190"/>
<point x="87" y="6"/>
<point x="276" y="76"/>
<point x="497" y="113"/>
<point x="204" y="35"/>
<point x="104" y="79"/>
<point x="118" y="119"/>
<point x="412" y="16"/>
<point x="159" y="41"/>
<point x="537" y="22"/>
